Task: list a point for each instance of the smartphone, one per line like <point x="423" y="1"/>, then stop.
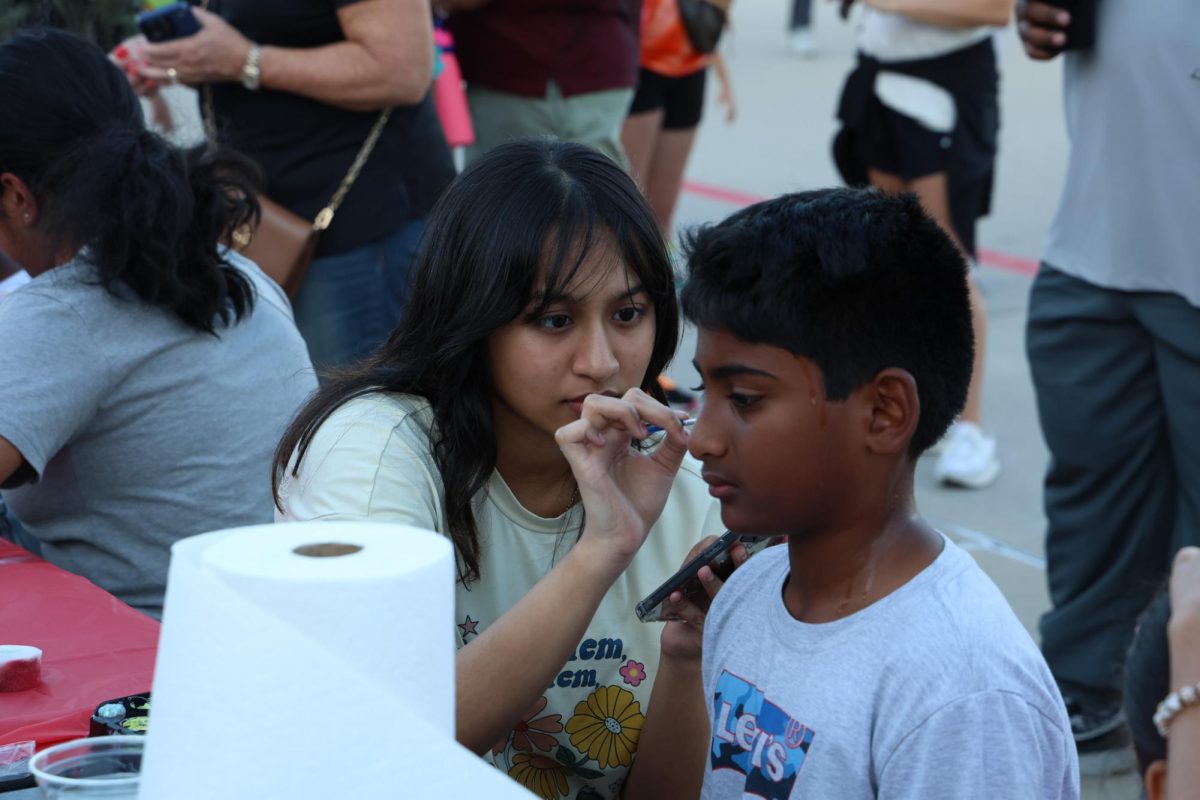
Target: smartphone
<point x="1081" y="33"/>
<point x="169" y="22"/>
<point x="716" y="556"/>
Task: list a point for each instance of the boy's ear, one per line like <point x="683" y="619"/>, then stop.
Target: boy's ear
<point x="894" y="409"/>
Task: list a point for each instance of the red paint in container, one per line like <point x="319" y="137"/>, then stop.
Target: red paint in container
<point x="20" y="667"/>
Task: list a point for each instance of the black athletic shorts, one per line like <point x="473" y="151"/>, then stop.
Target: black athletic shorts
<point x="682" y="99"/>
<point x="907" y="148"/>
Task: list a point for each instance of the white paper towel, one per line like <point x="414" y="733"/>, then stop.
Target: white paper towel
<point x="287" y="676"/>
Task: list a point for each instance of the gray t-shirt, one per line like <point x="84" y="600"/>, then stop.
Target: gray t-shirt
<point x="1128" y="217"/>
<point x="141" y="430"/>
<point x="935" y="691"/>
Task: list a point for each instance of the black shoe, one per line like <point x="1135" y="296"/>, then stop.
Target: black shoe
<point x="1101" y="738"/>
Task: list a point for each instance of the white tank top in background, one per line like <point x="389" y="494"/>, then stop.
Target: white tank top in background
<point x="888" y="36"/>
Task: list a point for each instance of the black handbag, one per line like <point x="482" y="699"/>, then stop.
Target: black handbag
<point x="703" y="22"/>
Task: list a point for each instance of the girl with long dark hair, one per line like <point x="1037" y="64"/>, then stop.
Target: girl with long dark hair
<point x="542" y="296"/>
<point x="145" y="372"/>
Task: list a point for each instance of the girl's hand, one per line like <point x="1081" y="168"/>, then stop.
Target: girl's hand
<point x="215" y="53"/>
<point x="623" y="490"/>
<point x="683" y="639"/>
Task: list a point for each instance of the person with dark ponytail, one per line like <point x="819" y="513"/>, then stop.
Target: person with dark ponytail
<point x="145" y="371"/>
<point x="542" y="295"/>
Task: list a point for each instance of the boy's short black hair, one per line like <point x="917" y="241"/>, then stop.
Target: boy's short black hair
<point x="854" y="280"/>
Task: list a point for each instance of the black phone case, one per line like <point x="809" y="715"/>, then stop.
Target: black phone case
<point x="716" y="556"/>
<point x="170" y="22"/>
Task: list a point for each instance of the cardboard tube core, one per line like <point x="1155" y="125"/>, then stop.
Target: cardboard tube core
<point x="327" y="550"/>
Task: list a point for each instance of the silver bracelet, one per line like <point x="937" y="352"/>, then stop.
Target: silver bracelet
<point x="1174" y="703"/>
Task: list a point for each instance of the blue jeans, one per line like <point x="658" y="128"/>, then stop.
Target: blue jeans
<point x="349" y="302"/>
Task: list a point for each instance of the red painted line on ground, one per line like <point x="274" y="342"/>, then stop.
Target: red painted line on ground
<point x="722" y="194"/>
<point x="989" y="258"/>
<point x="1008" y="263"/>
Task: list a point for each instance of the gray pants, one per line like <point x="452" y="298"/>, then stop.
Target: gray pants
<point x="594" y="118"/>
<point x="1117" y="376"/>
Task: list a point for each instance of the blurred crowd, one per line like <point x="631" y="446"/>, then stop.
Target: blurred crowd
<point x="307" y="314"/>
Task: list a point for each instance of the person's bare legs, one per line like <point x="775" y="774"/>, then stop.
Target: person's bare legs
<point x="970" y="459"/>
<point x="638" y="135"/>
<point x="664" y="178"/>
<point x="932" y="191"/>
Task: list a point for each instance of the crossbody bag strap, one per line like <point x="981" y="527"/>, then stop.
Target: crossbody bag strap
<point x="325" y="216"/>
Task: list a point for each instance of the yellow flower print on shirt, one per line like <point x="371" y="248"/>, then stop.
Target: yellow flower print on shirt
<point x="543" y="776"/>
<point x="607" y="725"/>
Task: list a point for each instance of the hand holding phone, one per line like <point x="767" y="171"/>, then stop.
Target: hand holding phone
<point x="1081" y="29"/>
<point x="1048" y="27"/>
<point x="174" y="21"/>
<point x="718" y="557"/>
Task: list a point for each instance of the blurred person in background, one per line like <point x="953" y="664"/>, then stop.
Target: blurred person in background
<point x="148" y="372"/>
<point x="298" y="85"/>
<point x="533" y="67"/>
<point x="800" y="36"/>
<point x="1113" y="338"/>
<point x="920" y="113"/>
<point x="660" y="130"/>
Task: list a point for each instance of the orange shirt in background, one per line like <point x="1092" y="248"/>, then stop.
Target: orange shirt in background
<point x="665" y="46"/>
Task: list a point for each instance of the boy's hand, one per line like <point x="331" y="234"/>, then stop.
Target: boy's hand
<point x="1043" y="28"/>
<point x="683" y="639"/>
<point x="623" y="490"/>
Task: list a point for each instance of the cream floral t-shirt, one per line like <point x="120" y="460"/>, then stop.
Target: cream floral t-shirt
<point x="371" y="459"/>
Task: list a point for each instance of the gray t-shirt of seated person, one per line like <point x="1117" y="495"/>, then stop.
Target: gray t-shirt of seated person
<point x="935" y="691"/>
<point x="139" y="429"/>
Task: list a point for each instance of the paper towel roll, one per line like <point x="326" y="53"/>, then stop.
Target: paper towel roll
<point x="291" y="676"/>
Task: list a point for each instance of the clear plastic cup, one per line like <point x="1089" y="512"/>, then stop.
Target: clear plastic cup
<point x="101" y="767"/>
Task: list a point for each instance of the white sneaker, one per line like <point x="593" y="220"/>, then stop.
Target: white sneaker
<point x="968" y="457"/>
<point x="801" y="42"/>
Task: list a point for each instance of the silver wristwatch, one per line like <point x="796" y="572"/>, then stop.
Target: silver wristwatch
<point x="251" y="73"/>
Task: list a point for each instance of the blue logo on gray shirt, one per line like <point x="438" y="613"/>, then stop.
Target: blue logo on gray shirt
<point x="755" y="737"/>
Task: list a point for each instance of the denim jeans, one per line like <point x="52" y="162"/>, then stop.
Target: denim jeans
<point x="350" y="302"/>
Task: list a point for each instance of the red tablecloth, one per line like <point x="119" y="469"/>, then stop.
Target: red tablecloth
<point x="94" y="648"/>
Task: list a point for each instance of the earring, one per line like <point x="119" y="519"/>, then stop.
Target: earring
<point x="28" y="217"/>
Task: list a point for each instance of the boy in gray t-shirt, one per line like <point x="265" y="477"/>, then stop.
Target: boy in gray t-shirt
<point x="871" y="657"/>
